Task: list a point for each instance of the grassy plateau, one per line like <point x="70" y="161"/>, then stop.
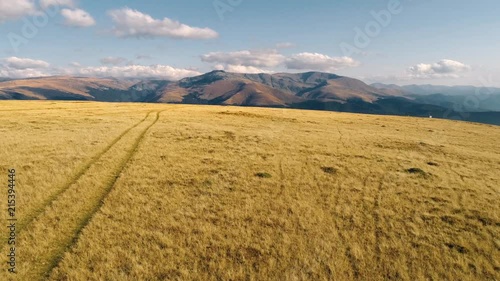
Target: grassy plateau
<point x="125" y="191"/>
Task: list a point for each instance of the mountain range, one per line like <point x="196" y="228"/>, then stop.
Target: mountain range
<point x="311" y="90"/>
<point x="459" y="98"/>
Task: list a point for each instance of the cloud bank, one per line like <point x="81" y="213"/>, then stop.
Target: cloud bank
<point x="442" y="69"/>
<point x="14" y="67"/>
<point x="132" y="23"/>
<point x="10" y="10"/>
<point x="246" y="58"/>
<point x="315" y="61"/>
<point x="136" y="71"/>
<point x="257" y="61"/>
<point x="77" y="18"/>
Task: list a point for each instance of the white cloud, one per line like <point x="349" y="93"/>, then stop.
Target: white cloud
<point x="268" y="58"/>
<point x="319" y="62"/>
<point x="14" y="9"/>
<point x="77" y="18"/>
<point x="132" y="23"/>
<point x="22" y="73"/>
<point x="136" y="71"/>
<point x="441" y="69"/>
<point x="240" y="69"/>
<point x="25" y="63"/>
<point x="61" y="3"/>
<point x="14" y="67"/>
<point x="257" y="61"/>
<point x="113" y="60"/>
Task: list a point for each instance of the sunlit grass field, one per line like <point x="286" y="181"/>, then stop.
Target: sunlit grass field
<point x="177" y="192"/>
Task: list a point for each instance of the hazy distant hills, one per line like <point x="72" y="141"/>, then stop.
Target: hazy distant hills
<point x="433" y="89"/>
<point x="64" y="88"/>
<point x="458" y="98"/>
<point x="311" y="90"/>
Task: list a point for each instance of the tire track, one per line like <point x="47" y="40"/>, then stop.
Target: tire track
<point x="341" y="139"/>
<point x="46" y="204"/>
<point x="458" y="191"/>
<point x="354" y="268"/>
<point x="414" y="238"/>
<point x="343" y="239"/>
<point x="376" y="222"/>
<point x="364" y="191"/>
<point x="348" y="250"/>
<point x="74" y="178"/>
<point x="87" y="219"/>
<point x="54" y="231"/>
<point x="282" y="180"/>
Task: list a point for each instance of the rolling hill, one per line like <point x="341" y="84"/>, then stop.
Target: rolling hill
<point x="65" y="88"/>
<point x="217" y="87"/>
<point x="126" y="191"/>
<point x="279" y="90"/>
<point x="311" y="90"/>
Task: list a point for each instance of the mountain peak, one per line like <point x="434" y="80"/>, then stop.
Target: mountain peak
<point x="204" y="79"/>
<point x="216" y="71"/>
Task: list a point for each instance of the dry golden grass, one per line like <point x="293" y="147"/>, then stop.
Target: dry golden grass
<point x="113" y="192"/>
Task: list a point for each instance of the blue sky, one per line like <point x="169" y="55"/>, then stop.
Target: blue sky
<point x="409" y="42"/>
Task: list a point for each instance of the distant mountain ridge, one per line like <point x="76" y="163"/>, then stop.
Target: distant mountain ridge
<point x="434" y="89"/>
<point x="310" y="90"/>
<point x="281" y="90"/>
<point x="64" y="88"/>
<point x="458" y="98"/>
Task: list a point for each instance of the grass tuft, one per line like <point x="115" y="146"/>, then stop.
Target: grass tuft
<point x="329" y="170"/>
<point x="417" y="171"/>
<point x="458" y="248"/>
<point x="263" y="175"/>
